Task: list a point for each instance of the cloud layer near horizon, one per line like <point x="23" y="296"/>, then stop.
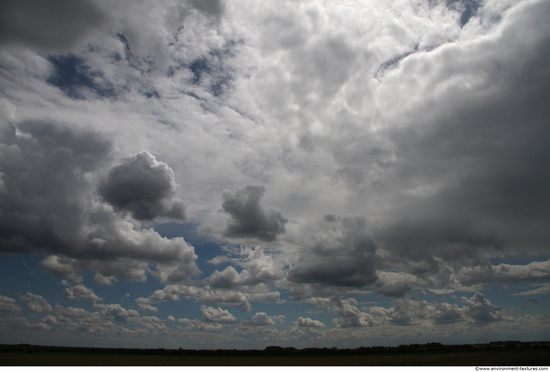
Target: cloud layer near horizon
<point x="330" y="152"/>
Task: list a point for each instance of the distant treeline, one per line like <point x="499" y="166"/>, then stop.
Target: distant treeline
<point x="432" y="347"/>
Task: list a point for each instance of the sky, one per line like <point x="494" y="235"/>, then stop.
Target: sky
<point x="240" y="174"/>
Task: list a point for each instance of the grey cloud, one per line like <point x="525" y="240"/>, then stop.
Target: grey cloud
<point x="262" y="319"/>
<point x="51" y="25"/>
<point x="144" y="187"/>
<point x="212" y="315"/>
<point x="48" y="207"/>
<point x="398" y="289"/>
<point x="322" y="67"/>
<point x="479" y="309"/>
<point x="249" y="218"/>
<point x="116" y="312"/>
<point x="503" y="273"/>
<point x="308" y="322"/>
<point x="260" y="269"/>
<point x="8" y="305"/>
<point x="406" y="311"/>
<point x="80" y="292"/>
<point x="211" y="7"/>
<point x="340" y="254"/>
<point x="36" y="303"/>
<point x="49" y="319"/>
<point x="71" y="312"/>
<point x="467" y="175"/>
<point x="542" y="289"/>
<point x="197" y="325"/>
<point x="225" y="298"/>
<point x="205" y="294"/>
<point x="268" y="297"/>
<point x="145" y="307"/>
<point x="446" y="313"/>
<point x="349" y="316"/>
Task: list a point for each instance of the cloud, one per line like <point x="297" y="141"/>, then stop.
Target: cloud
<point x="503" y="273"/>
<point x="349" y="316"/>
<point x="81" y="293"/>
<point x="494" y="198"/>
<point x="336" y="254"/>
<point x="116" y="312"/>
<point x="54" y="25"/>
<point x="248" y="218"/>
<point x="212" y="315"/>
<point x="71" y="312"/>
<point x="206" y="294"/>
<point x="8" y="305"/>
<point x="36" y="303"/>
<point x="197" y="325"/>
<point x="308" y="322"/>
<point x="145" y="307"/>
<point x="543" y="288"/>
<point x="144" y="187"/>
<point x="479" y="309"/>
<point x="49" y="207"/>
<point x="260" y="270"/>
<point x="405" y="311"/>
<point x="262" y="319"/>
<point x="446" y="313"/>
<point x="211" y="7"/>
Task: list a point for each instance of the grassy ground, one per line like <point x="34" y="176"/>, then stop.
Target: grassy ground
<point x="480" y="358"/>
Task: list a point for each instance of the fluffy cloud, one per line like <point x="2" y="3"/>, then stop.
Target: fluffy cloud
<point x="262" y="319"/>
<point x="212" y="315"/>
<point x="144" y="187"/>
<point x="49" y="208"/>
<point x="205" y="294"/>
<point x="71" y="312"/>
<point x="116" y="312"/>
<point x="479" y="309"/>
<point x="346" y="310"/>
<point x="80" y="292"/>
<point x="248" y="216"/>
<point x="8" y="305"/>
<point x="336" y="253"/>
<point x="260" y="271"/>
<point x="308" y="322"/>
<point x="36" y="303"/>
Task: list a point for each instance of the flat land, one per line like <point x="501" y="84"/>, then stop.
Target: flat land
<point x="477" y="358"/>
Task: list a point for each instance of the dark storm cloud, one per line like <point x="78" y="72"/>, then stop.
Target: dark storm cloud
<point x="336" y="254"/>
<point x="144" y="187"/>
<point x="249" y="219"/>
<point x="51" y="25"/>
<point x="471" y="170"/>
<point x="46" y="166"/>
<point x="47" y="206"/>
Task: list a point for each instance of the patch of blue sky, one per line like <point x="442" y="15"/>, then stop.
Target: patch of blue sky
<point x="72" y="76"/>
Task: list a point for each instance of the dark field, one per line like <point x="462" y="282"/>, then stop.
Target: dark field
<point x="476" y="358"/>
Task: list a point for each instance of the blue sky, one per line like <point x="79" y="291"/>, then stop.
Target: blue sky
<point x="244" y="174"/>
